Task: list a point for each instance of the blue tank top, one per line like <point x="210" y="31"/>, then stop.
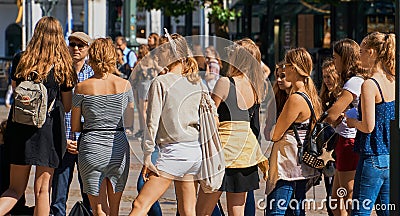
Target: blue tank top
<point x="378" y="141"/>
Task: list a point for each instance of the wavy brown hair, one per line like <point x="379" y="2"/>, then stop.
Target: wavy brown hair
<point x="102" y="56"/>
<point x="184" y="56"/>
<point x="302" y="62"/>
<point x="245" y="59"/>
<point x="143" y="51"/>
<point x="156" y="38"/>
<point x="385" y="46"/>
<point x="46" y="49"/>
<point x="281" y="96"/>
<point x="327" y="96"/>
<point x="349" y="51"/>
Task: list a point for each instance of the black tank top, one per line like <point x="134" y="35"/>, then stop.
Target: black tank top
<point x="229" y="110"/>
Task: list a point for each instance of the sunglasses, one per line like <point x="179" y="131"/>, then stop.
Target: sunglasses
<point x="281" y="75"/>
<point x="79" y="45"/>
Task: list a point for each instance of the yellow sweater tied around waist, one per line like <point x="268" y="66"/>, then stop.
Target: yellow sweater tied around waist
<point x="241" y="147"/>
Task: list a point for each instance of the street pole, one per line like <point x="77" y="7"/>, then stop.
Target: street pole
<point x="23" y="46"/>
<point x="130" y="22"/>
<point x="395" y="128"/>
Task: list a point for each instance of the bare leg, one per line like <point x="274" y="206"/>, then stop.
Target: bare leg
<point x="42" y="189"/>
<point x="99" y="203"/>
<point x="206" y="202"/>
<point x="152" y="190"/>
<point x="114" y="199"/>
<point x="19" y="176"/>
<point x="186" y="193"/>
<point x="236" y="203"/>
<point x="344" y="180"/>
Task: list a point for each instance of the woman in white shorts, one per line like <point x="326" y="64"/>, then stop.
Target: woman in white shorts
<point x="172" y="123"/>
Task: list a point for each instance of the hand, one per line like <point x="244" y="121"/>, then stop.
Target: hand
<point x="338" y="120"/>
<point x="72" y="146"/>
<point x="351" y="122"/>
<point x="148" y="167"/>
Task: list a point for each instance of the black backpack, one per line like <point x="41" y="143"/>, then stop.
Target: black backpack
<point x="317" y="148"/>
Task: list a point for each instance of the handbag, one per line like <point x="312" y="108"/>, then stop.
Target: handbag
<point x="79" y="210"/>
<point x="317" y="148"/>
<point x="213" y="162"/>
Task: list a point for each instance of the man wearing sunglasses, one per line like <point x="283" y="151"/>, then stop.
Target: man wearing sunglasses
<point x="78" y="48"/>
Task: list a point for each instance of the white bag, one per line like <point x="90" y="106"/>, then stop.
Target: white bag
<point x="213" y="162"/>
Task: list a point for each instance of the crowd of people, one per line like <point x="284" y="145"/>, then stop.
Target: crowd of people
<point x="96" y="84"/>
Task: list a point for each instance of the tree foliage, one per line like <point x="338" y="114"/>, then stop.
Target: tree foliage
<point x="173" y="8"/>
<point x="219" y="15"/>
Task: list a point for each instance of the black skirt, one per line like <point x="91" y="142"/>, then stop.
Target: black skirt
<point x="238" y="180"/>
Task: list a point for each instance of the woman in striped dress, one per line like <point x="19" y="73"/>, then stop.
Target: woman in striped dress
<point x="103" y="158"/>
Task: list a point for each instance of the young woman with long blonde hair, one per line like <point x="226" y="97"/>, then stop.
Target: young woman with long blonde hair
<point x="48" y="55"/>
<point x="287" y="178"/>
<point x="238" y="97"/>
<point x="172" y="119"/>
<point x="372" y="178"/>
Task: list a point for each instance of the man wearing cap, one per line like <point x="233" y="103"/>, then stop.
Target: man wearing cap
<point x="78" y="48"/>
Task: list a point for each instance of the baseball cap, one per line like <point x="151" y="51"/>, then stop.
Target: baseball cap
<point x="82" y="36"/>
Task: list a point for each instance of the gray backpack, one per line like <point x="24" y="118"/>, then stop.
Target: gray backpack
<point x="30" y="103"/>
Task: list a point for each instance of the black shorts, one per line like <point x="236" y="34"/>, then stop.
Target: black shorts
<point x="237" y="180"/>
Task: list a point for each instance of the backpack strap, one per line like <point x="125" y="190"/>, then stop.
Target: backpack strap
<point x="313" y="116"/>
<point x="127" y="57"/>
<point x="296" y="133"/>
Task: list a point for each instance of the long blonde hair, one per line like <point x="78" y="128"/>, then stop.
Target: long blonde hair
<point x="102" y="56"/>
<point x="245" y="59"/>
<point x="385" y="46"/>
<point x="185" y="57"/>
<point x="45" y="50"/>
<point x="302" y="62"/>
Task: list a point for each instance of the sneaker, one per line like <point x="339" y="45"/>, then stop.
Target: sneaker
<point x="139" y="133"/>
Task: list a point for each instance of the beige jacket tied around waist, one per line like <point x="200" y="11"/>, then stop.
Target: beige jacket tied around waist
<point x="240" y="145"/>
<point x="283" y="163"/>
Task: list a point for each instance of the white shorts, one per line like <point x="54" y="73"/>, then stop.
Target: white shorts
<point x="180" y="159"/>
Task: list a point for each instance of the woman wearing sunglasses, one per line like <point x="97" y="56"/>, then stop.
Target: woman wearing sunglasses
<point x="286" y="178"/>
<point x="281" y="90"/>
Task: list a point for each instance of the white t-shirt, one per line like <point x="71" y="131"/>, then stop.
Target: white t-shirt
<point x="353" y="85"/>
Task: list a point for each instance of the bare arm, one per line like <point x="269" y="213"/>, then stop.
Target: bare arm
<point x="291" y="111"/>
<point x="129" y="111"/>
<point x="66" y="98"/>
<point x="220" y="91"/>
<point x="369" y="92"/>
<point x="334" y="113"/>
<point x="76" y="125"/>
<point x="76" y="119"/>
<point x="13" y="84"/>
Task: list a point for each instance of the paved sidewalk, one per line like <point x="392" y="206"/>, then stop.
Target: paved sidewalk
<point x="168" y="201"/>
